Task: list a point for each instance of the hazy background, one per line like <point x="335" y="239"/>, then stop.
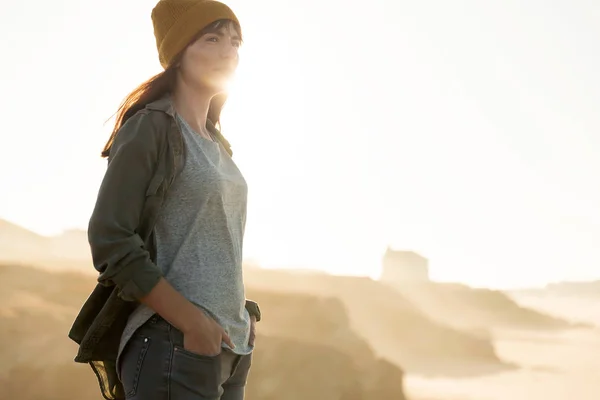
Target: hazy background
<point x="465" y="131"/>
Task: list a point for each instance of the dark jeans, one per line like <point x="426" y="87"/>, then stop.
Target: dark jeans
<point x="155" y="366"/>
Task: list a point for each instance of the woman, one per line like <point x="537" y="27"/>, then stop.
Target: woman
<point x="167" y="228"/>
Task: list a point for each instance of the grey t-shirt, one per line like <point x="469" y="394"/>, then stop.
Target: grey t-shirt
<point x="199" y="234"/>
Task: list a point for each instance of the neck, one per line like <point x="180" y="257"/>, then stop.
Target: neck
<point x="192" y="105"/>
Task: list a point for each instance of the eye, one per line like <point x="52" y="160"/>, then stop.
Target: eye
<point x="212" y="39"/>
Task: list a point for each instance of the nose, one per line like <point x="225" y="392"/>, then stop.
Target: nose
<point x="229" y="51"/>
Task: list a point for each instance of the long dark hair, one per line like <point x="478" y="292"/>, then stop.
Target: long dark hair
<point x="163" y="83"/>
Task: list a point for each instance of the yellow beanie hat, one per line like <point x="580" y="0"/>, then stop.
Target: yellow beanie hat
<point x="177" y="22"/>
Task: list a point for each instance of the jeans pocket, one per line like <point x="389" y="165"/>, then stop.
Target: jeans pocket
<point x="195" y="375"/>
<point x="133" y="362"/>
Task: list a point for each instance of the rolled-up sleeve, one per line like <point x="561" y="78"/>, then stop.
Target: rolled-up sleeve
<point x="118" y="251"/>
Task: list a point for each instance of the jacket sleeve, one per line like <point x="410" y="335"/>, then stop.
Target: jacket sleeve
<point x="118" y="251"/>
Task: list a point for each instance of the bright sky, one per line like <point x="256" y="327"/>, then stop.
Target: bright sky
<point x="466" y="130"/>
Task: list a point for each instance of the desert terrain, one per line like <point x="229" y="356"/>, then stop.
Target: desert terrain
<point x="324" y="337"/>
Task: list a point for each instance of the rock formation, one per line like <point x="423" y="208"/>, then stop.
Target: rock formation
<point x="404" y="267"/>
<point x="306" y="348"/>
<point x="394" y="327"/>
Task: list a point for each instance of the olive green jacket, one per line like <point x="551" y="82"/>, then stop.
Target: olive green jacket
<point x="145" y="158"/>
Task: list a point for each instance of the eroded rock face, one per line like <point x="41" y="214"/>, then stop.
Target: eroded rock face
<point x="306" y="348"/>
<point x="314" y="337"/>
<point x="287" y="369"/>
<point x="394" y="327"/>
<point x="463" y="307"/>
<point x="383" y="381"/>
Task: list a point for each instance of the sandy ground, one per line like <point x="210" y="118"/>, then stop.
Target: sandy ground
<point x="551" y="365"/>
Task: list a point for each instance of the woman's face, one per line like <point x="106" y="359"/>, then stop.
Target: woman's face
<point x="210" y="61"/>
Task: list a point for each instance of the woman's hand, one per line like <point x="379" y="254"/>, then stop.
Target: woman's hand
<point x="205" y="336"/>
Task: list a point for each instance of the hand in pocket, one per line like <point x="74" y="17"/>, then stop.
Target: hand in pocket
<point x="205" y="337"/>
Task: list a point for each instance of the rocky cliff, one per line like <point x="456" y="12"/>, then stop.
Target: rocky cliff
<point x="474" y="309"/>
<point x="300" y="354"/>
<point x="394" y="327"/>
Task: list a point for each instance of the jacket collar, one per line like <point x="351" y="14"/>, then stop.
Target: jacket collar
<point x="163" y="104"/>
